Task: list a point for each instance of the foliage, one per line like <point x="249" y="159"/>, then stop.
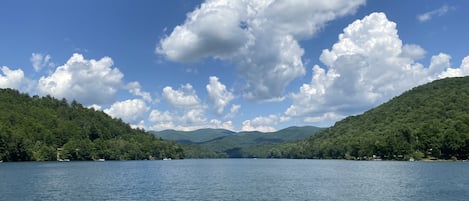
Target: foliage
<point x="429" y="121"/>
<point x="39" y="128"/>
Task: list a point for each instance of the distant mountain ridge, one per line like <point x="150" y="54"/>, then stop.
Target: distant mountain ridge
<point x="191" y="137"/>
<point x="289" y="134"/>
<point x="225" y="143"/>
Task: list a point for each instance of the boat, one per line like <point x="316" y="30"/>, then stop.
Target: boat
<point x="101" y="160"/>
<point x="411" y="159"/>
<point x="167" y="159"/>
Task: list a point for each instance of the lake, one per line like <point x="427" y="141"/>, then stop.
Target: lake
<point x="235" y="179"/>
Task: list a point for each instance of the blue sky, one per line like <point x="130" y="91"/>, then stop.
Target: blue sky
<point x="238" y="65"/>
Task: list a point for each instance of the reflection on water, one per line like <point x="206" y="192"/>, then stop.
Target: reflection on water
<point x="234" y="179"/>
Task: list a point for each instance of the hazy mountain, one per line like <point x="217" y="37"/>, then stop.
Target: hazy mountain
<point x="225" y="143"/>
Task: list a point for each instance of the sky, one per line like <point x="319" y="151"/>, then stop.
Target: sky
<point x="239" y="65"/>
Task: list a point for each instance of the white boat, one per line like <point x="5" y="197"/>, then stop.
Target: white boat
<point x="411" y="159"/>
<point x="167" y="159"/>
<point x="101" y="160"/>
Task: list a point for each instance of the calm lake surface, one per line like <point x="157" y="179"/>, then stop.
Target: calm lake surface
<point x="235" y="179"/>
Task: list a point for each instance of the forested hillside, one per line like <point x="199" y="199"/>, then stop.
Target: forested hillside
<point x="430" y="121"/>
<point x="34" y="128"/>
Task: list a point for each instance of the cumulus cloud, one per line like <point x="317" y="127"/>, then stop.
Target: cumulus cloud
<point x="87" y="81"/>
<point x="413" y="51"/>
<point x="191" y="119"/>
<point x="262" y="128"/>
<point x="367" y="66"/>
<point x="218" y="95"/>
<point x="40" y="61"/>
<point x="233" y="111"/>
<point x="239" y="31"/>
<point x="95" y="106"/>
<point x="326" y="117"/>
<point x="463" y="70"/>
<point x="11" y="78"/>
<point x="130" y="111"/>
<point x="188" y="112"/>
<point x="183" y="97"/>
<point x="429" y="15"/>
<point x="261" y="123"/>
<point x="194" y="116"/>
<point x="228" y="125"/>
<point x="158" y="116"/>
<point x="135" y="89"/>
<point x="439" y="63"/>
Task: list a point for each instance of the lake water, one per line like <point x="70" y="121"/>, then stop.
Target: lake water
<point x="235" y="179"/>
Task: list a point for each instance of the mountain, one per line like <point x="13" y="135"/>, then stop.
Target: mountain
<point x="209" y="143"/>
<point x="191" y="137"/>
<point x="44" y="128"/>
<point x="429" y="121"/>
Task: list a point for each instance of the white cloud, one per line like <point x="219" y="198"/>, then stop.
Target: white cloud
<point x="367" y="66"/>
<point x="239" y="31"/>
<point x="324" y="119"/>
<point x="188" y="113"/>
<point x="261" y="123"/>
<point x="95" y="106"/>
<point x="439" y="63"/>
<point x="192" y="119"/>
<point x="194" y="116"/>
<point x="135" y="89"/>
<point x="87" y="81"/>
<point x="158" y="116"/>
<point x="12" y="78"/>
<point x="163" y="126"/>
<point x="199" y="38"/>
<point x="140" y="125"/>
<point x="247" y="126"/>
<point x="228" y="125"/>
<point x="463" y="70"/>
<point x="233" y="111"/>
<point x="184" y="97"/>
<point x="40" y="61"/>
<point x="413" y="51"/>
<point x="235" y="108"/>
<point x="130" y="111"/>
<point x="218" y="95"/>
<point x="428" y="15"/>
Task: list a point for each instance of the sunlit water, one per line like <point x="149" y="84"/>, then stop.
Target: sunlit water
<point x="235" y="179"/>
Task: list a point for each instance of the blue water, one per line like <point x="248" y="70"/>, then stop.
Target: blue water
<point x="235" y="179"/>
